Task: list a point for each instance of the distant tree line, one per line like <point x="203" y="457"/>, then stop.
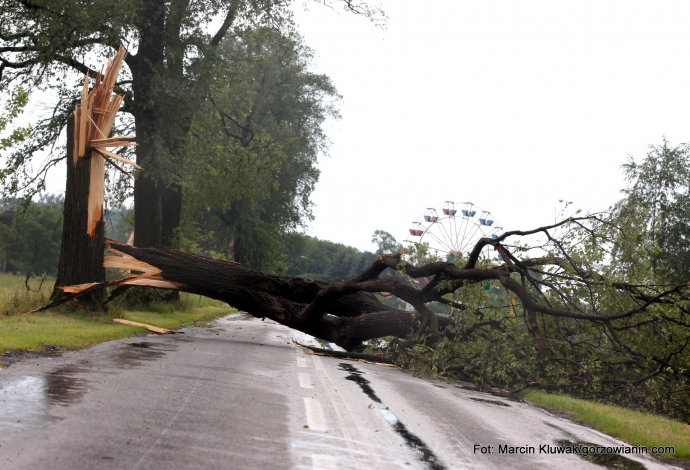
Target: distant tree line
<point x="30" y="235"/>
<point x="30" y="243"/>
<point x="322" y="260"/>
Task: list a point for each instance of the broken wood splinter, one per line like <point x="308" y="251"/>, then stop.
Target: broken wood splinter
<point x="155" y="329"/>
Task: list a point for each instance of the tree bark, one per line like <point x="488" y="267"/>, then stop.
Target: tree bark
<point x="171" y="210"/>
<point x="346" y="320"/>
<point x="81" y="255"/>
<point x="146" y="71"/>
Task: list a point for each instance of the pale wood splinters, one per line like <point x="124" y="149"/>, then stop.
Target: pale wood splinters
<point x="118" y="167"/>
<point x="94" y="121"/>
<point x="76" y="288"/>
<point x="117" y="157"/>
<point x="155" y="329"/>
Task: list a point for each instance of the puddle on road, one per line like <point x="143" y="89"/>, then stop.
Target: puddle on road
<point x="133" y="354"/>
<point x="23" y="402"/>
<point x="62" y="387"/>
<point x="26" y="402"/>
<point x="613" y="461"/>
<point x="417" y="445"/>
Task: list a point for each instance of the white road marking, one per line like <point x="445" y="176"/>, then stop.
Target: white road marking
<point x="301" y="362"/>
<point x="347" y="424"/>
<point x="323" y="462"/>
<point x="305" y="380"/>
<point x="315" y="417"/>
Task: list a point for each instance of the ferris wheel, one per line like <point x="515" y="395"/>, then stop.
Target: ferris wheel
<point x="450" y="231"/>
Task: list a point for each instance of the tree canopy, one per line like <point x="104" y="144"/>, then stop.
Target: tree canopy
<point x="657" y="200"/>
<point x="323" y="260"/>
<point x="176" y="54"/>
<point x="252" y="152"/>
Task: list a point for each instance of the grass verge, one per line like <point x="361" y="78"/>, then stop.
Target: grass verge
<point x="633" y="427"/>
<point x="17" y="294"/>
<point x="74" y="330"/>
<point x="79" y="329"/>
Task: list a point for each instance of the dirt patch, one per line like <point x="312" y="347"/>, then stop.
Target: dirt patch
<point x="15" y="356"/>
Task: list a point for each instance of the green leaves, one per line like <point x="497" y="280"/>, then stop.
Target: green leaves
<point x="657" y="208"/>
<point x="14" y="107"/>
<point x="32" y="244"/>
<point x="252" y="149"/>
<point x="386" y="242"/>
<point x="582" y="312"/>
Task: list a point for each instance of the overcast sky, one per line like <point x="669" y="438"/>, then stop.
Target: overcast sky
<point x="510" y="105"/>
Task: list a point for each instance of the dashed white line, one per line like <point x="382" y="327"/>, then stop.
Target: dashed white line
<point x="301" y="362"/>
<point x="363" y="459"/>
<point x="305" y="380"/>
<point x="323" y="462"/>
<point x="315" y="417"/>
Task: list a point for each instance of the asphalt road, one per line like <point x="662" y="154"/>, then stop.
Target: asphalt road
<point x="240" y="395"/>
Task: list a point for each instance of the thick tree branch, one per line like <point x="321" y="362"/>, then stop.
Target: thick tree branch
<point x="229" y="20"/>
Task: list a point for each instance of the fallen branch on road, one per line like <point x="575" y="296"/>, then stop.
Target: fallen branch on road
<point x="362" y="357"/>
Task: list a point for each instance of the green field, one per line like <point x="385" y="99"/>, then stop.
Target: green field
<point x="79" y="329"/>
<point x="633" y="427"/>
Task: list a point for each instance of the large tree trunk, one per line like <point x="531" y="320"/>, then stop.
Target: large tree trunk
<point x="344" y="319"/>
<point x="157" y="201"/>
<point x="170" y="222"/>
<point x="146" y="77"/>
<point x="81" y="255"/>
<point x="171" y="209"/>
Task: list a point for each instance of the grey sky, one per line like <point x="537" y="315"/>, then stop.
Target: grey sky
<point x="510" y="105"/>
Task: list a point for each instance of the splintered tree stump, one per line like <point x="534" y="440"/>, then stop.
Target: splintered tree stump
<point x="88" y="128"/>
<point x="81" y="255"/>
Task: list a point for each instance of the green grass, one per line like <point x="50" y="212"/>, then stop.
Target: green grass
<point x="177" y="319"/>
<point x="68" y="330"/>
<point x="633" y="427"/>
<point x="79" y="329"/>
<point x="15" y="298"/>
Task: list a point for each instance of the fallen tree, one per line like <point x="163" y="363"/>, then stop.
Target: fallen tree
<point x="563" y="320"/>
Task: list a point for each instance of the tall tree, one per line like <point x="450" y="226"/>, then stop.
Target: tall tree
<point x="658" y="201"/>
<point x="386" y="242"/>
<point x="265" y="145"/>
<point x="173" y="61"/>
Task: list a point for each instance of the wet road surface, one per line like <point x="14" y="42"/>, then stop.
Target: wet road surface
<point x="241" y="395"/>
